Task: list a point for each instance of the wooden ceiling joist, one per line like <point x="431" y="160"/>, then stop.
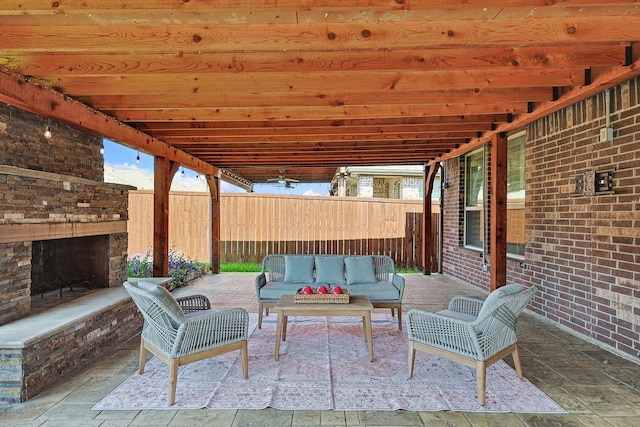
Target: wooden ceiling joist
<point x="260" y="85"/>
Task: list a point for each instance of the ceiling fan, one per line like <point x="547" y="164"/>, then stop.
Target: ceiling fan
<point x="281" y="179"/>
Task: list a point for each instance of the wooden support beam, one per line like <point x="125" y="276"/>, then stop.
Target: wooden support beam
<point x="427" y="229"/>
<point x="164" y="170"/>
<point x="498" y="211"/>
<point x="214" y="189"/>
<point x="46" y="102"/>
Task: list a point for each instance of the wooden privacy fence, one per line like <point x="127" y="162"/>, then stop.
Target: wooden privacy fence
<point x="254" y="225"/>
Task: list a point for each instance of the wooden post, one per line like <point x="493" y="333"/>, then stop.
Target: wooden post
<point x="214" y="190"/>
<point x="164" y="169"/>
<point x="427" y="229"/>
<point x="498" y="211"/>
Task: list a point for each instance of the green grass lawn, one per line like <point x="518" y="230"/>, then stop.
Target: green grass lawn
<point x="240" y="267"/>
<point x="255" y="267"/>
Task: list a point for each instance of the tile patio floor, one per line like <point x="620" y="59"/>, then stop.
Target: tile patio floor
<point x="596" y="387"/>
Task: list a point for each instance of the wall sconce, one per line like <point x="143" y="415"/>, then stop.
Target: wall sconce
<point x="138" y="159"/>
<point x="47" y="132"/>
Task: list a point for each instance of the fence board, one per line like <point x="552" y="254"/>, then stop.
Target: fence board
<point x="254" y="225"/>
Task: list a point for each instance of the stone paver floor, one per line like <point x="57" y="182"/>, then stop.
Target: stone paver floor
<point x="595" y="386"/>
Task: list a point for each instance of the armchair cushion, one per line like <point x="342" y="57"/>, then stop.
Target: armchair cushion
<point x="176" y="315"/>
<point x="298" y="269"/>
<point x="330" y="270"/>
<point x="457" y="315"/>
<point x="496" y="295"/>
<point x="360" y="270"/>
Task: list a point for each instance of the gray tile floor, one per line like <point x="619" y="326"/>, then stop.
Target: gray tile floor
<point x="596" y="387"/>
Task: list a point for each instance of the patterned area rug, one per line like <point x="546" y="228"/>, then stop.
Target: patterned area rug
<point x="324" y="364"/>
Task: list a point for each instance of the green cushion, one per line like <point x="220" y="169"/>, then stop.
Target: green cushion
<point x="496" y="295"/>
<point x="164" y="296"/>
<point x="330" y="270"/>
<point x="298" y="269"/>
<point x="360" y="270"/>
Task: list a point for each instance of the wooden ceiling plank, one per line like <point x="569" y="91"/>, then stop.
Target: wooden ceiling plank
<point x="327" y="98"/>
<point x="283" y="84"/>
<point x="36" y="7"/>
<point x="321" y="133"/>
<point x="238" y="16"/>
<point x="345" y="124"/>
<point x="365" y="145"/>
<point x="43" y="64"/>
<point x="180" y="141"/>
<point x="319" y="113"/>
<point x="318" y="36"/>
<point x="331" y="160"/>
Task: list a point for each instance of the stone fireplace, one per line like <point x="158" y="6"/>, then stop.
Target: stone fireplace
<point x="61" y="226"/>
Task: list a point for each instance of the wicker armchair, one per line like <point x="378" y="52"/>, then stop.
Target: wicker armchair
<point x="184" y="330"/>
<point x="472" y="332"/>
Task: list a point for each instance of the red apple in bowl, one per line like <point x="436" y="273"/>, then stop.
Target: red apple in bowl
<point x="307" y="290"/>
<point x="322" y="290"/>
<point x="336" y="290"/>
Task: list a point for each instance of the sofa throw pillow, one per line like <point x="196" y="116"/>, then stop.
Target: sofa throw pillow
<point x="360" y="270"/>
<point x="175" y="311"/>
<point x="298" y="269"/>
<point x="496" y="295"/>
<point x="330" y="270"/>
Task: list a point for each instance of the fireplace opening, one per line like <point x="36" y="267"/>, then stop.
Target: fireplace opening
<point x="69" y="265"/>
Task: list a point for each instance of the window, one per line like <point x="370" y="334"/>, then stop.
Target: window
<point x="515" y="195"/>
<point x="474" y="218"/>
<point x="474" y="199"/>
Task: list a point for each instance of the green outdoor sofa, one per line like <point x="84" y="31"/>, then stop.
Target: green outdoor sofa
<point x="371" y="275"/>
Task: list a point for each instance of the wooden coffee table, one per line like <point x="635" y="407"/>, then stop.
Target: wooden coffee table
<point x="359" y="305"/>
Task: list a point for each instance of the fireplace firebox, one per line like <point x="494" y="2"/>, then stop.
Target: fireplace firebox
<point x="69" y="263"/>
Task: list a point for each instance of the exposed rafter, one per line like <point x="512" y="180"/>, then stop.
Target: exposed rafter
<point x="257" y="86"/>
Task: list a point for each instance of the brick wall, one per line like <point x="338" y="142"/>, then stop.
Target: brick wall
<point x="583" y="252"/>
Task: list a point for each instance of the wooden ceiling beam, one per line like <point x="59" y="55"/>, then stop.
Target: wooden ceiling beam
<point x="278" y="86"/>
<point x="14" y="90"/>
<point x="318" y="113"/>
<point x="356" y="146"/>
<point x="42" y="64"/>
<point x="36" y="7"/>
<point x="257" y="134"/>
<point x="338" y="125"/>
<point x="191" y="141"/>
<point x="163" y="38"/>
<point x="314" y="160"/>
<point x="326" y="98"/>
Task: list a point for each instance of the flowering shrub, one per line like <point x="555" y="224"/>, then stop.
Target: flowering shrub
<point x="181" y="268"/>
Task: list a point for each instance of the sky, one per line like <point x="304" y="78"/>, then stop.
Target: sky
<point x="121" y="157"/>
